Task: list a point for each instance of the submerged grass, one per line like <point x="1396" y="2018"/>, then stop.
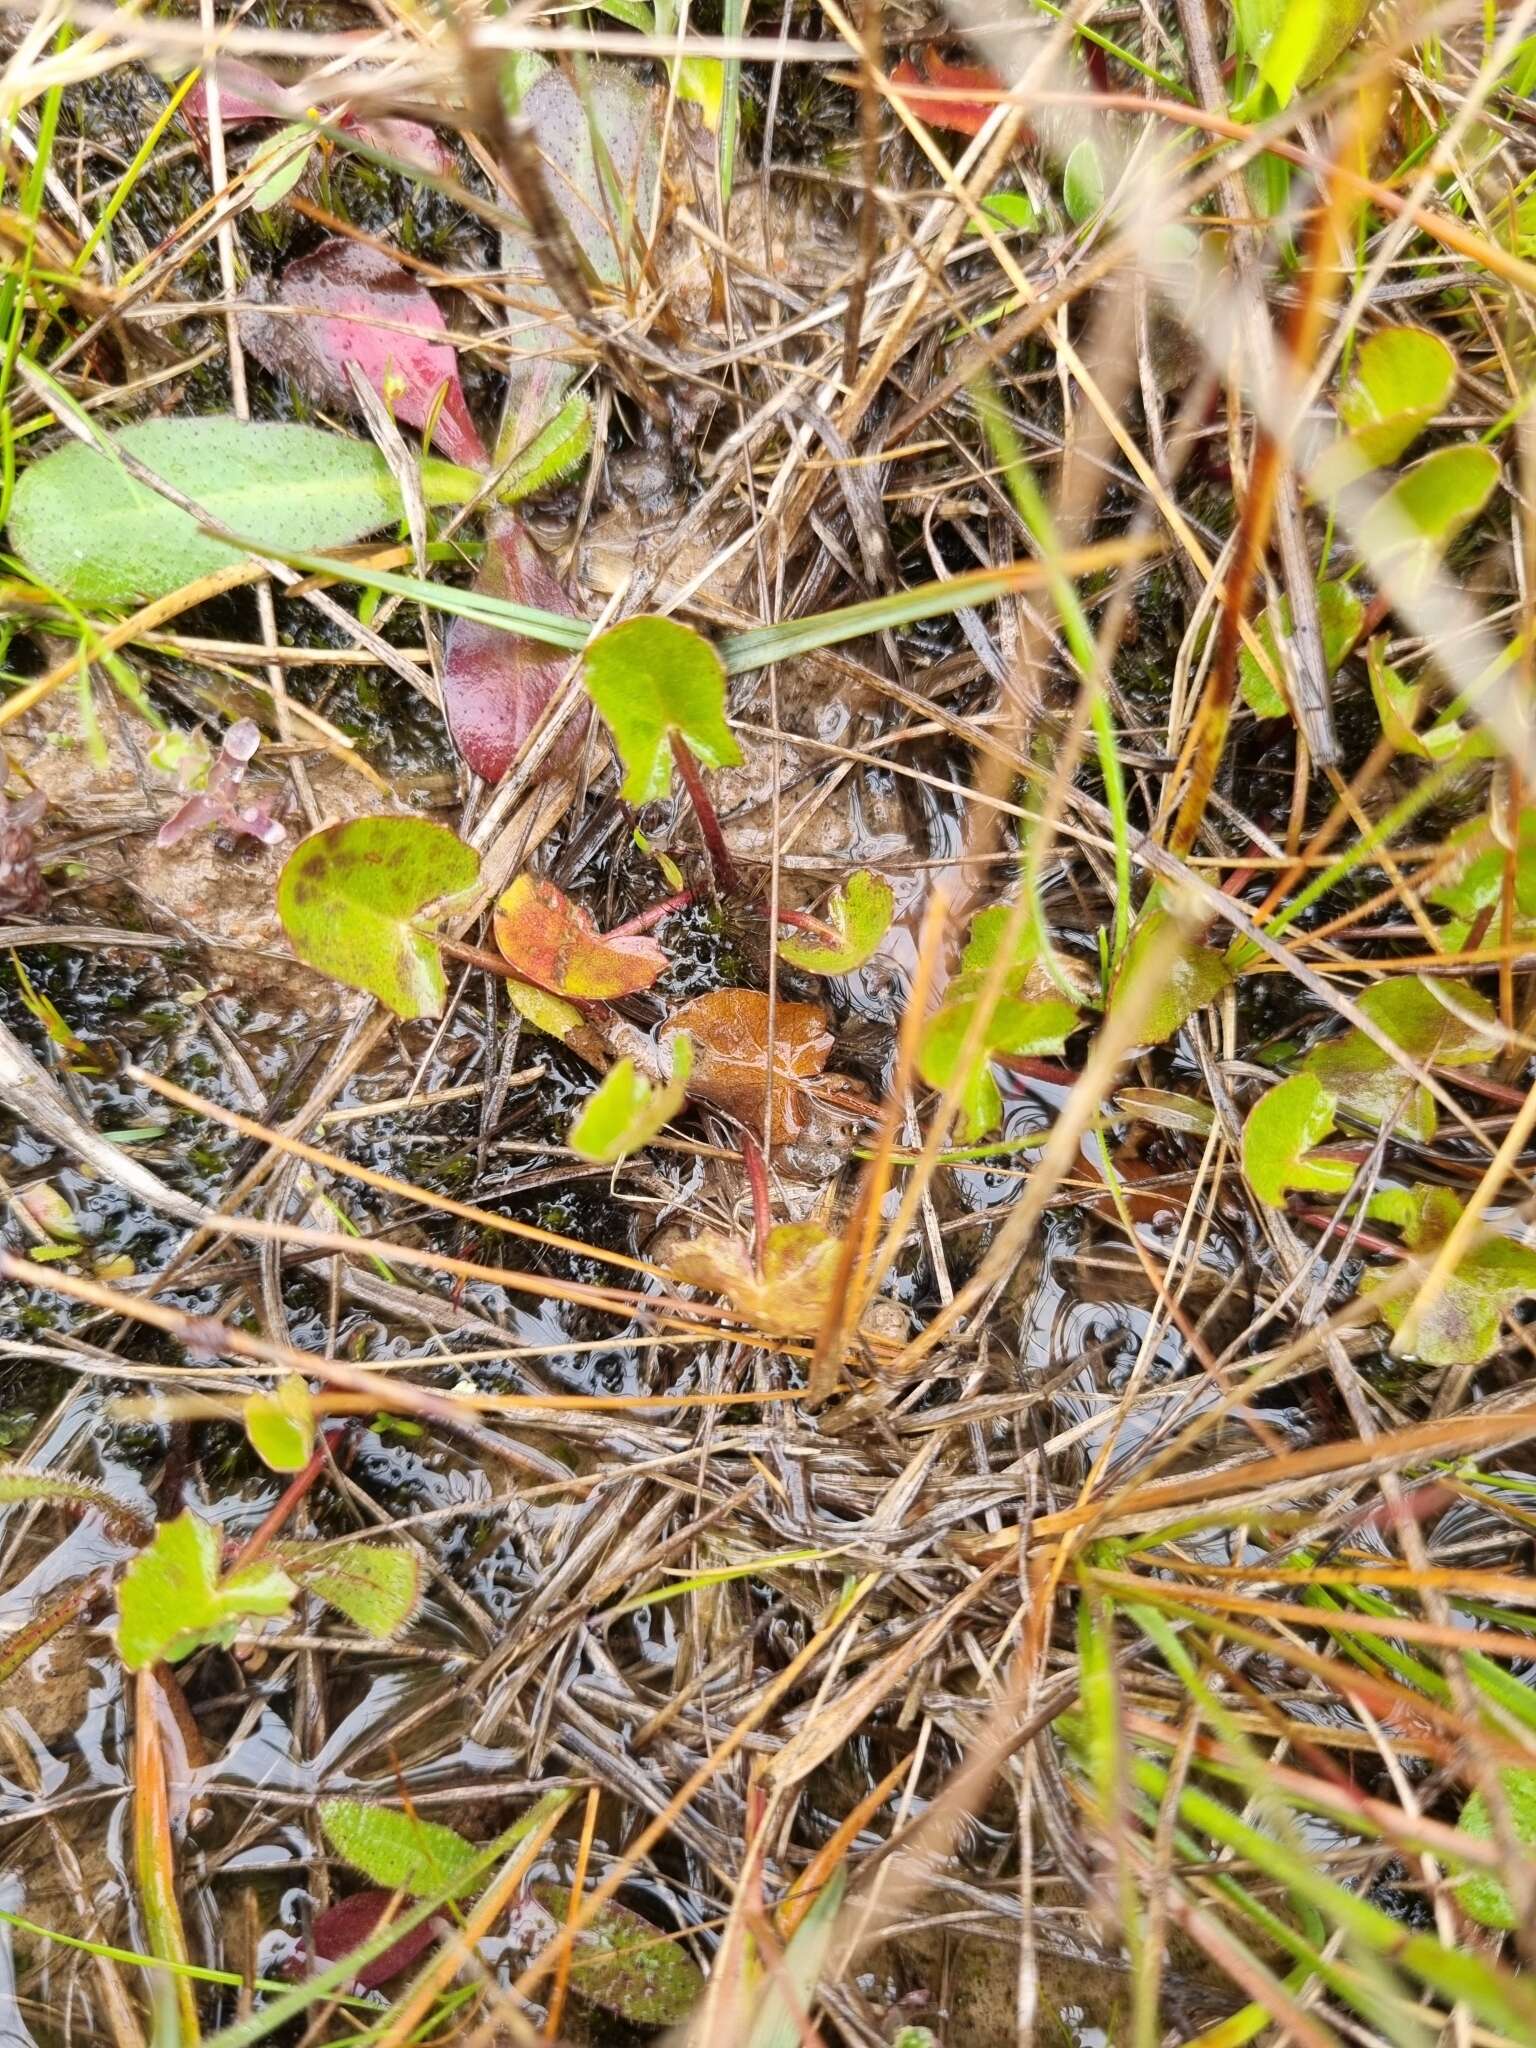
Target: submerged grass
<point x="1096" y="1622"/>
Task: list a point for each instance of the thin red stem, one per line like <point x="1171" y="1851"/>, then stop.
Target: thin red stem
<point x="714" y="839"/>
<point x="287" y="1500"/>
<point x="647" y="920"/>
<point x="762" y="1207"/>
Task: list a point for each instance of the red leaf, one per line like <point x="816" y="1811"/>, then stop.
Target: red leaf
<point x="554" y="942"/>
<point x="496" y="684"/>
<point x="939" y="109"/>
<point x="374" y="314"/>
<point x="349" y="1923"/>
<point x="411" y="142"/>
<point x="246" y="95"/>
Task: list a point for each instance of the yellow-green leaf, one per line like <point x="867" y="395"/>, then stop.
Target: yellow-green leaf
<point x="859" y="912"/>
<point x="173" y="1598"/>
<point x="651" y="678"/>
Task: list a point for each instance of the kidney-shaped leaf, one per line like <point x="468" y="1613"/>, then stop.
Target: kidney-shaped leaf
<point x="859" y="913"/>
<point x="347" y="302"/>
<point x="1339" y="614"/>
<point x="172" y="1599"/>
<point x="353" y="900"/>
<point x="1197" y="976"/>
<point x="1398" y="705"/>
<point x="651" y="678"/>
<point x="1402" y="378"/>
<point x="553" y="942"/>
<point x="1460" y="1326"/>
<point x="86" y="528"/>
<point x="1281" y="1129"/>
<point x="1021" y="1025"/>
<point x="731" y="1054"/>
<point x="1440" y="1023"/>
<point x="496" y="684"/>
<point x="376" y="1586"/>
<point x="1410" y="526"/>
<point x="789" y="1297"/>
<point x="628" y="1111"/>
<point x="624" y="1964"/>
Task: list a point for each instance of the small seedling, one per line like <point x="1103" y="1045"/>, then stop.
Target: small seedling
<point x="660" y="689"/>
<point x="281" y="1425"/>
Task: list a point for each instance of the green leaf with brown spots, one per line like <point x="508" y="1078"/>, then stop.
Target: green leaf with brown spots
<point x="627" y="1966"/>
<point x="355" y="902"/>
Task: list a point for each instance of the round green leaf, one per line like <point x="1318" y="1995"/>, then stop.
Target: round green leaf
<point x="859" y="911"/>
<point x="1402" y="378"/>
<point x="1278" y="1137"/>
<point x="352" y="897"/>
<point x="281" y="1425"/>
<point x="651" y="678"/>
<point x="1412" y="525"/>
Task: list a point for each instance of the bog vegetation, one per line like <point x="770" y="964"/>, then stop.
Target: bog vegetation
<point x="768" y="901"/>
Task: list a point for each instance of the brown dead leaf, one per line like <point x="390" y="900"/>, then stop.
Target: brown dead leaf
<point x="729" y="1029"/>
<point x="789" y="1297"/>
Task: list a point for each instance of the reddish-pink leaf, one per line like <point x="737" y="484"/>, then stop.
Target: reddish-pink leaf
<point x="246" y="95"/>
<point x="409" y="142"/>
<point x="552" y="941"/>
<point x="349" y="1923"/>
<point x="496" y="684"/>
<point x="348" y="303"/>
<point x="946" y="108"/>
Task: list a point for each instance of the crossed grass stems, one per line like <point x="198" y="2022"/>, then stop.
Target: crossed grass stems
<point x="1167" y="1642"/>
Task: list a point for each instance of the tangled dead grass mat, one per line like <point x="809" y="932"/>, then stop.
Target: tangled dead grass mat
<point x="766" y="1030"/>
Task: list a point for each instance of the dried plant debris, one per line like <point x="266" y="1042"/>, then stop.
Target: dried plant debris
<point x="768" y="1203"/>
